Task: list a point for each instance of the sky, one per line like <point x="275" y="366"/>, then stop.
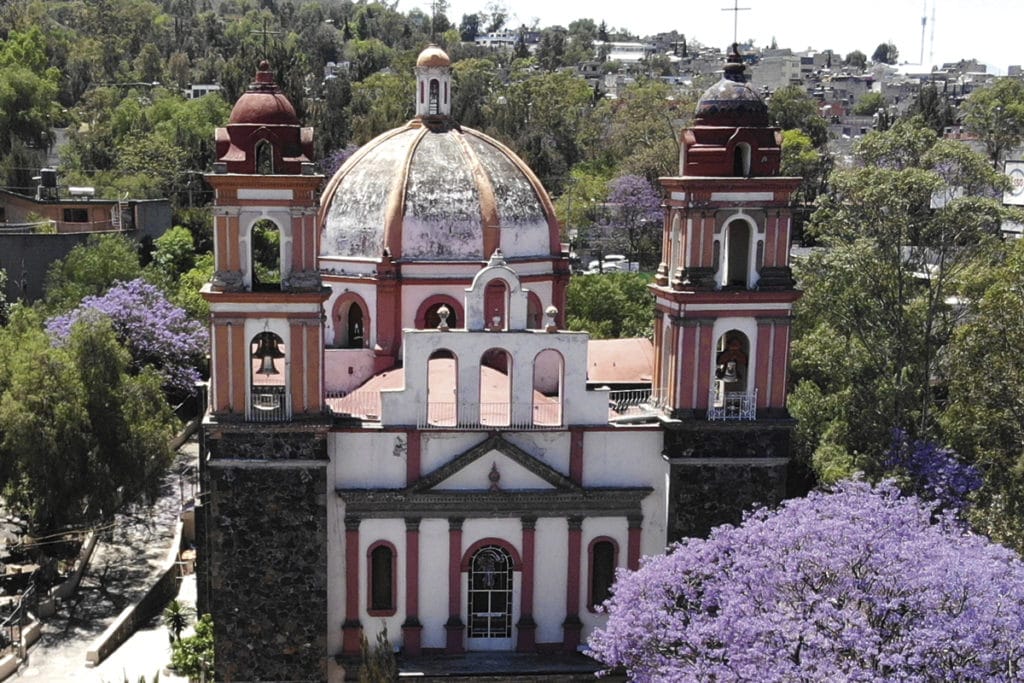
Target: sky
<point x="987" y="30"/>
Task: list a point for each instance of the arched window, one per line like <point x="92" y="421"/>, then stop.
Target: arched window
<point x="603" y="560"/>
<point x="435" y="97"/>
<point x="548" y="371"/>
<point x="737" y="259"/>
<point x="264" y="158"/>
<point x="350" y="322"/>
<point x="741" y="160"/>
<point x="490" y="593"/>
<point x="265" y="249"/>
<point x="496" y="388"/>
<point x="380" y="575"/>
<point x="442" y="389"/>
<point x="534" y="312"/>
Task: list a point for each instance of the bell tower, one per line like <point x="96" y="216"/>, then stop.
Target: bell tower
<point x="724" y="296"/>
<point x="266" y="295"/>
<point x="261" y="522"/>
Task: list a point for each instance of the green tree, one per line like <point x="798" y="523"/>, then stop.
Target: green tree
<point x="791" y="107"/>
<point x="985" y="418"/>
<point x="868" y="104"/>
<point x="381" y="102"/>
<point x="90" y="269"/>
<point x="934" y="109"/>
<point x="45" y="447"/>
<point x="885" y="53"/>
<point x="856" y="60"/>
<point x="193" y="656"/>
<point x="900" y="233"/>
<point x="639" y="131"/>
<point x="995" y="114"/>
<point x="543" y="117"/>
<point x="610" y="306"/>
<point x="475" y="81"/>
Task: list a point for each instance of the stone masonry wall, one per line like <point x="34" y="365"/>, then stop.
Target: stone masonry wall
<point x="266" y="547"/>
<point x="719" y="470"/>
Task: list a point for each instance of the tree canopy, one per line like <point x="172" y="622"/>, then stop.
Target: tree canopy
<point x="855" y="584"/>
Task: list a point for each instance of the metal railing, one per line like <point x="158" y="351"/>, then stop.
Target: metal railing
<point x="362" y="404"/>
<point x="268" y="403"/>
<point x="497" y="415"/>
<point x="626" y="404"/>
<point x="732" y="405"/>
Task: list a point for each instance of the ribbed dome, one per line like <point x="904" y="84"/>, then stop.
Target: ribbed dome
<point x="731" y="101"/>
<point x="728" y="103"/>
<point x="434" y="56"/>
<point x="436" y="194"/>
<point x="264" y="102"/>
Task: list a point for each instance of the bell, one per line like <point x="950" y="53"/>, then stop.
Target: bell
<point x="730" y="373"/>
<point x="267" y="350"/>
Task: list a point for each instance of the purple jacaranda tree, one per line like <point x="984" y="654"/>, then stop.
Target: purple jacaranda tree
<point x="637" y="210"/>
<point x="933" y="472"/>
<point x="157" y="333"/>
<point x="856" y="584"/>
<point x="333" y="161"/>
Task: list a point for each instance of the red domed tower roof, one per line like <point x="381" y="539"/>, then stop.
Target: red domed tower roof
<point x="263" y="134"/>
<point x="731" y="134"/>
<point x="264" y="102"/>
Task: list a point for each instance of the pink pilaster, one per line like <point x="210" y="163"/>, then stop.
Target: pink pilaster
<point x="572" y="624"/>
<point x="412" y="630"/>
<point x="527" y="627"/>
<point x="633" y="549"/>
<point x="455" y="628"/>
<point x="351" y="629"/>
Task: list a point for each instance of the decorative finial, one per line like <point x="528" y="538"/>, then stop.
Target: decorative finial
<point x="550" y="313"/>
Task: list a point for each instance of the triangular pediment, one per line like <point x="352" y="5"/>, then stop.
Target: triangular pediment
<point x="494" y="464"/>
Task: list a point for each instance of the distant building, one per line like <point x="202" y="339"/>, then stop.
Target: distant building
<point x="202" y="89"/>
<point x="37" y="230"/>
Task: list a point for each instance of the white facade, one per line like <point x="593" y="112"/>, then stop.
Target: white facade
<point x="542" y="488"/>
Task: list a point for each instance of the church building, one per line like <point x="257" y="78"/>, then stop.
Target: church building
<point x="401" y="433"/>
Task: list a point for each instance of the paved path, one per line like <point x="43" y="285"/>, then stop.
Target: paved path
<point x="124" y="564"/>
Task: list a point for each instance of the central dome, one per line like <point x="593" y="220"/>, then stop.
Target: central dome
<point x="436" y="193"/>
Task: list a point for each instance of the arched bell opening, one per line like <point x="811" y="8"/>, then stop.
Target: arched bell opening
<point x="265" y="254"/>
<point x="496" y="298"/>
<point x="734" y="270"/>
<point x="733" y="396"/>
<point x="267" y="378"/>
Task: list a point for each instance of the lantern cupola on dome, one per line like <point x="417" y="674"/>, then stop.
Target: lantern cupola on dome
<point x="433" y="84"/>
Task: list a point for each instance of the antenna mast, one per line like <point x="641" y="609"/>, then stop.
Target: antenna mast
<point x="924" y="22"/>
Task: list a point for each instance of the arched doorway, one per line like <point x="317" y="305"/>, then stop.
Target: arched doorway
<point x="489" y="599"/>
